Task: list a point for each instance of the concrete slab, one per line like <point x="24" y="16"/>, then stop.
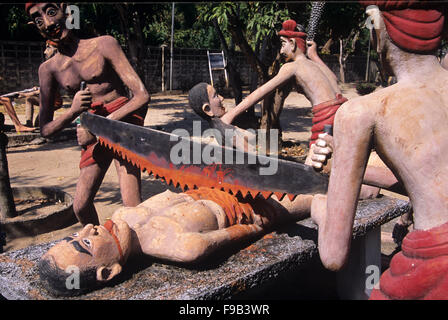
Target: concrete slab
<point x="16" y="139"/>
<point x="223" y="276"/>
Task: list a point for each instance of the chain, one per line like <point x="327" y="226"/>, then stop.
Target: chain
<point x="317" y="7"/>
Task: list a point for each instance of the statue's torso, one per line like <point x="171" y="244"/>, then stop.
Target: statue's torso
<point x="410" y="129"/>
<point x="313" y="82"/>
<point x="87" y="64"/>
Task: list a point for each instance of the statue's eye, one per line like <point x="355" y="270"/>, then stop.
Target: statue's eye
<point x="76" y="234"/>
<point x="87" y="242"/>
<point x="52" y="12"/>
<point x="39" y="21"/>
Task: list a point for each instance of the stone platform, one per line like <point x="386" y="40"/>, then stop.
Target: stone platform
<point x="16" y="139"/>
<point x="225" y="275"/>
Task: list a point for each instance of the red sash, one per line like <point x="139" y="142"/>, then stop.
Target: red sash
<point x="323" y="114"/>
<point x="420" y="270"/>
<point x="99" y="108"/>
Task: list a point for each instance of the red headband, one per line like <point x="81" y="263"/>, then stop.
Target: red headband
<point x="289" y="31"/>
<point x="412" y="25"/>
<point x="108" y="225"/>
<point x="52" y="44"/>
<point x="28" y="6"/>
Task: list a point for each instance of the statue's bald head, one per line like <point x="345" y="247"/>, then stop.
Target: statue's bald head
<point x="197" y="97"/>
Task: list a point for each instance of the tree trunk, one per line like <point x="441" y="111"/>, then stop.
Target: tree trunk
<point x="341" y="61"/>
<point x="345" y="51"/>
<point x="273" y="103"/>
<point x="7" y="206"/>
<point x="234" y="76"/>
<point x="247" y="119"/>
<point x="134" y="40"/>
<point x="327" y="45"/>
<point x="236" y="30"/>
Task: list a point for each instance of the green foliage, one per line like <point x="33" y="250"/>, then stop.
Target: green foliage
<point x="15" y="18"/>
<point x="193" y="26"/>
<point x="341" y="20"/>
<point x="264" y="19"/>
<point x="260" y="19"/>
<point x="103" y="18"/>
<point x="14" y="23"/>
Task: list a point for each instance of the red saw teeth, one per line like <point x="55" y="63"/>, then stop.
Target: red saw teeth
<point x="187" y="178"/>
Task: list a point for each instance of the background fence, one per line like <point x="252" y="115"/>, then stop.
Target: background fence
<point x="19" y="64"/>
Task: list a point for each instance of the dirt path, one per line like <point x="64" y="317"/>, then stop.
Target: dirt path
<point x="56" y="164"/>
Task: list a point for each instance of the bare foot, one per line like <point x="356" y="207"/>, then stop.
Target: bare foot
<point x="23" y="128"/>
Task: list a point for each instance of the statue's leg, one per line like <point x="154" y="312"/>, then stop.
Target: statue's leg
<point x="30" y="102"/>
<point x="13" y="116"/>
<point x="130" y="182"/>
<point x="90" y="179"/>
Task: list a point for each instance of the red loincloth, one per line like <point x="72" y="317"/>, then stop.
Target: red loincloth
<point x="323" y="114"/>
<point x="237" y="211"/>
<point x="89" y="153"/>
<point x="420" y="270"/>
<point x="414" y="26"/>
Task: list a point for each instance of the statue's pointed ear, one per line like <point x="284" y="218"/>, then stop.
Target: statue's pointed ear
<point x="207" y="110"/>
<point x="63" y="6"/>
<point x="107" y="273"/>
<point x="294" y="44"/>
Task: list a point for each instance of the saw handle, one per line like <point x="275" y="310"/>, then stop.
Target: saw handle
<point x="82" y="86"/>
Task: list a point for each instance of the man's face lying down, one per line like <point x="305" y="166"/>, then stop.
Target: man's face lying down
<point x="93" y="246"/>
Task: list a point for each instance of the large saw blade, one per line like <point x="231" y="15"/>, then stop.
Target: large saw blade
<point x="155" y="151"/>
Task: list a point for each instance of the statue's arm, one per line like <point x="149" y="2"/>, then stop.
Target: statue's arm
<point x="285" y="73"/>
<point x="377" y="173"/>
<point x="335" y="212"/>
<point x="314" y="56"/>
<point x="113" y="53"/>
<point x="245" y="140"/>
<point x="190" y="247"/>
<point x="48" y="89"/>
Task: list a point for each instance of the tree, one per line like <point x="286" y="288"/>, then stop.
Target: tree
<point x="341" y="24"/>
<point x="252" y="27"/>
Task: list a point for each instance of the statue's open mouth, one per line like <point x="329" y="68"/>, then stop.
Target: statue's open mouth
<point x="55" y="33"/>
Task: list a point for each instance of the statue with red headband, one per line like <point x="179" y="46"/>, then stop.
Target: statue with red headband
<point x="313" y="78"/>
<point x="407" y="123"/>
<point x="102" y="65"/>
